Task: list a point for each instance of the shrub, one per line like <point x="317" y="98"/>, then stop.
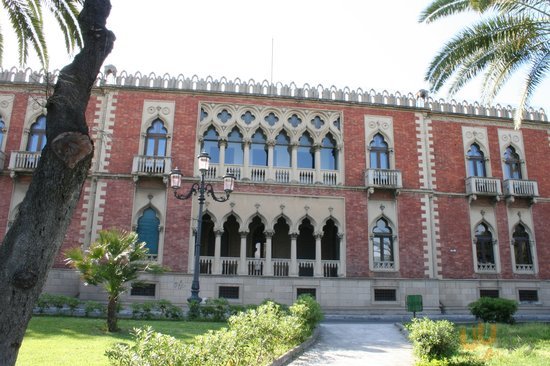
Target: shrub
<point x="93" y="306"/>
<point x="254" y="337"/>
<point x="308" y="311"/>
<point x="433" y="339"/>
<point x="194" y="311"/>
<point x="494" y="309"/>
<point x="58" y="301"/>
<point x="216" y="310"/>
<point x="169" y="310"/>
<point x="150" y="348"/>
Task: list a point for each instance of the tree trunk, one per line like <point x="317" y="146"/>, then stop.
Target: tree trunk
<point x="29" y="248"/>
<point x="111" y="314"/>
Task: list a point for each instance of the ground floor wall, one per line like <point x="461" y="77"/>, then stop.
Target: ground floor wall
<point x="370" y="296"/>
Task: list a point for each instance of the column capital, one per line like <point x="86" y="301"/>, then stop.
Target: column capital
<point x="269" y="233"/>
<point x="294" y="235"/>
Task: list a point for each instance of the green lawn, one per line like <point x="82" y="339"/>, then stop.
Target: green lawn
<point x="521" y="344"/>
<point x="60" y="341"/>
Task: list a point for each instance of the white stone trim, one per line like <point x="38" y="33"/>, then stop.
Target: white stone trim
<point x="481" y="213"/>
<point x="476" y="135"/>
<point x="103" y="129"/>
<point x="383" y="125"/>
<point x="163" y="110"/>
<point x="6" y="107"/>
<point x="514" y="138"/>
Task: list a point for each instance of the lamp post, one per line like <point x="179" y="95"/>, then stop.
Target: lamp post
<point x="201" y="188"/>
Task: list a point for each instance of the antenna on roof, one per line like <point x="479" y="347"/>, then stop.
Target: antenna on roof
<point x="272" y="42"/>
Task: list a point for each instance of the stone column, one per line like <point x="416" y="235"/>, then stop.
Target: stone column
<point x="268" y="270"/>
<point x="317" y="153"/>
<point x="294" y="162"/>
<point x="217" y="253"/>
<point x="270" y="169"/>
<point x="342" y="256"/>
<point x="243" y="263"/>
<point x="246" y="160"/>
<point x="223" y="145"/>
<point x="293" y="271"/>
<point x="318" y="269"/>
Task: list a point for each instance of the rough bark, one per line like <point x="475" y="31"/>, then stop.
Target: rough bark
<point x="111" y="314"/>
<point x="29" y="248"/>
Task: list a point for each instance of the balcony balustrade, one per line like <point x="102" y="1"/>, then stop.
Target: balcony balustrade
<point x="280" y="267"/>
<point x="520" y="188"/>
<point x="483" y="186"/>
<point x="383" y="178"/>
<point x="24" y="160"/>
<point x="275" y="174"/>
<point x="151" y="165"/>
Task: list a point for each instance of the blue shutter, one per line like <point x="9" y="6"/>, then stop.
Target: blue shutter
<point x="148" y="230"/>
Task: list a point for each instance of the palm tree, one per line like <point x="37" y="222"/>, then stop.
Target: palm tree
<point x="511" y="36"/>
<point x="112" y="261"/>
<point x="26" y="20"/>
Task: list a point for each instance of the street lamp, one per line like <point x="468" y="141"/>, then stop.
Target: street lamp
<point x="201" y="188"/>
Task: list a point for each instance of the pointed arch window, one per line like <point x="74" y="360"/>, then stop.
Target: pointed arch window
<point x="330" y="242"/>
<point x="2" y="129"/>
<point x="512" y="164"/>
<point x="234" y="152"/>
<point x="329" y="153"/>
<point x="281" y="151"/>
<point x="383" y="251"/>
<point x="155" y="139"/>
<point x="231" y="238"/>
<point x="281" y="245"/>
<point x="476" y="162"/>
<point x="148" y="226"/>
<point x="258" y="149"/>
<point x="306" y="156"/>
<point x="485" y="253"/>
<point x="522" y="248"/>
<point x="208" y="237"/>
<point x="210" y="144"/>
<point x="379" y="153"/>
<point x="37" y="135"/>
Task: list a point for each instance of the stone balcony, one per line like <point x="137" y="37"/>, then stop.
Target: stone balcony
<point x="483" y="186"/>
<point x="383" y="179"/>
<point x="156" y="166"/>
<point x="520" y="188"/>
<point x="23" y="161"/>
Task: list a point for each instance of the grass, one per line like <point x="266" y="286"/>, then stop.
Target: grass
<point x="69" y="341"/>
<point x="510" y="345"/>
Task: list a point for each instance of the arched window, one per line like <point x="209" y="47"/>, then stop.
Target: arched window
<point x="234" y="152"/>
<point x="512" y="164"/>
<point x="476" y="162"/>
<point x="379" y="153"/>
<point x="484" y="248"/>
<point x="329" y="153"/>
<point x="281" y="152"/>
<point x="383" y="253"/>
<point x="208" y="238"/>
<point x="155" y="140"/>
<point x="522" y="247"/>
<point x="306" y="157"/>
<point x="330" y="242"/>
<point x="281" y="242"/>
<point x="148" y="230"/>
<point x="305" y="247"/>
<point x="210" y="144"/>
<point x="2" y="128"/>
<point x="37" y="136"/>
<point x="231" y="239"/>
<point x="256" y="234"/>
<point x="258" y="149"/>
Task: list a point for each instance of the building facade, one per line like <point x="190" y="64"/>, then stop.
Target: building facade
<point x="359" y="198"/>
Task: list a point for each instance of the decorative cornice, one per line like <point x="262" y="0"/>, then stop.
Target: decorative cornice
<point x="265" y="88"/>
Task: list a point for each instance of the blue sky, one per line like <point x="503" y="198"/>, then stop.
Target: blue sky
<point x="356" y="43"/>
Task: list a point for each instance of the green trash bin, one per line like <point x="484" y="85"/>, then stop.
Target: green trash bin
<point x="414" y="304"/>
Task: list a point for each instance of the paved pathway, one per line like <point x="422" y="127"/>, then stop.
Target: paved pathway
<point x="354" y="344"/>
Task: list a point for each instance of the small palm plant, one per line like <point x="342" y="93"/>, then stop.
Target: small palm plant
<point x="112" y="261"/>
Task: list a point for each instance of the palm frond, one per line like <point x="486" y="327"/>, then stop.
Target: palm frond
<point x="539" y="70"/>
<point x="443" y="8"/>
